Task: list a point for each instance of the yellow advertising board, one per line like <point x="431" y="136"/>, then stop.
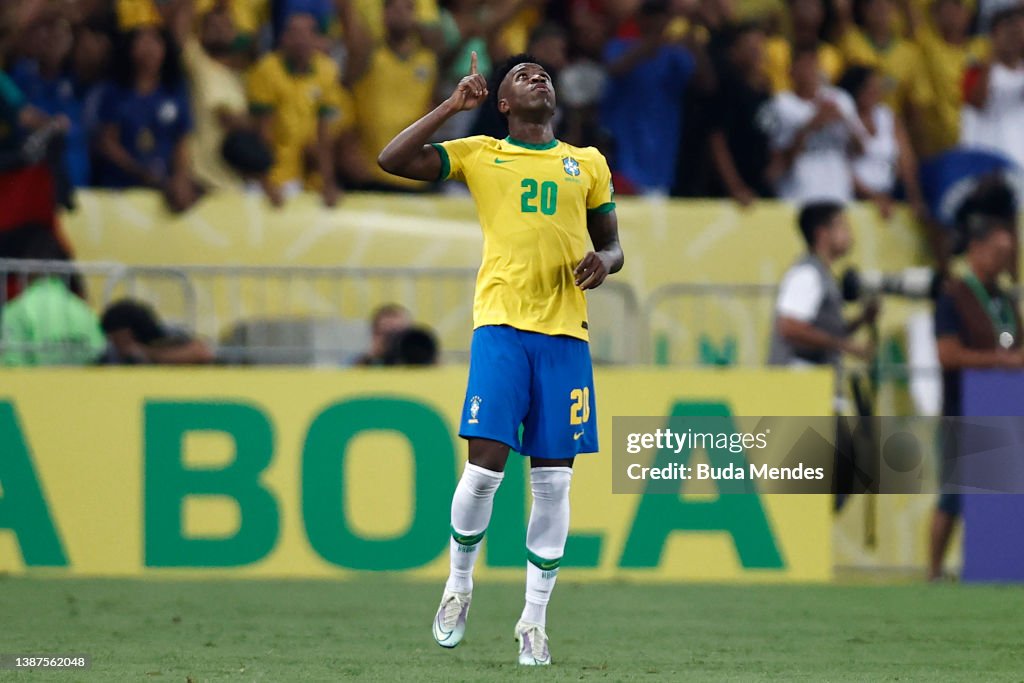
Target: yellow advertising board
<point x="133" y="471"/>
<point x="667" y="242"/>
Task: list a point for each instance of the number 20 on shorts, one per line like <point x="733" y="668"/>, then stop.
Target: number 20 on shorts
<point x="579" y="413"/>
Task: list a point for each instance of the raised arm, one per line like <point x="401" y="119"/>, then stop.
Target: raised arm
<point x="607" y="257"/>
<point x="358" y="42"/>
<point x="409" y="155"/>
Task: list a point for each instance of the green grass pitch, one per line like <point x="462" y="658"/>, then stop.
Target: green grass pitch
<point x="378" y="629"/>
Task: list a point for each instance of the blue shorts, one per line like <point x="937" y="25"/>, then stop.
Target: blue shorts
<point x="542" y="382"/>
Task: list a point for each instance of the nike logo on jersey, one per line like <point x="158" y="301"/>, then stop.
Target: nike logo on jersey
<point x="576" y="436"/>
<point x="503" y="161"/>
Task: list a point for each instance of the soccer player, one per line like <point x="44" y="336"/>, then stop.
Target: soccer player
<point x="537" y="198"/>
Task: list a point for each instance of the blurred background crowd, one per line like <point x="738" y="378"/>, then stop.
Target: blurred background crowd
<point x="798" y="99"/>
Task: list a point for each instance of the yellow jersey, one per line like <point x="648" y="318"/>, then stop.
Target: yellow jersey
<point x="942" y="66"/>
<point x="296" y="100"/>
<point x="380" y="115"/>
<point x="248" y="15"/>
<point x="899" y="63"/>
<point x="372" y="13"/>
<point x="133" y="14"/>
<point x="533" y="202"/>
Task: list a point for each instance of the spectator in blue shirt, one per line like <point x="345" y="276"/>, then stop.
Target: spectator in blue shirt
<point x="145" y="120"/>
<point x="643" y="105"/>
<point x="46" y="80"/>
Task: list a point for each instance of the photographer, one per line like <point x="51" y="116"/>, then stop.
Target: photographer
<point x="976" y="323"/>
<point x="809" y="327"/>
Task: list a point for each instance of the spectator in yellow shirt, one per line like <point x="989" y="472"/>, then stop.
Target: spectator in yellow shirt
<point x="301" y="110"/>
<point x="808" y="21"/>
<point x="217" y="90"/>
<point x="397" y="64"/>
<point x="947" y="51"/>
<point x="878" y="45"/>
<point x="247" y="15"/>
<point x="134" y="14"/>
<point x="427" y="20"/>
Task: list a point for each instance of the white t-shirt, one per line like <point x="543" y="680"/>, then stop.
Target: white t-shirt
<point x="821" y="170"/>
<point x="876" y="167"/>
<point x="999" y="126"/>
<point x="800" y="293"/>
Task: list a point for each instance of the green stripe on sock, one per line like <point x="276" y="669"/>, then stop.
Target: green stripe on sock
<point x="467" y="540"/>
<point x="541" y="563"/>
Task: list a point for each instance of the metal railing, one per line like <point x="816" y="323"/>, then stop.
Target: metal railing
<point x="319" y="315"/>
<point x="710" y="324"/>
<point x="310" y="315"/>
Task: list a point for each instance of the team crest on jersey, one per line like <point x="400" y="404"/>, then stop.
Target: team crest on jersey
<point x="474" y="409"/>
<point x="572" y="167"/>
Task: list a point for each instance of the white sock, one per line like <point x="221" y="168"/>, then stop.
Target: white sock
<point x="471" y="512"/>
<point x="545" y="538"/>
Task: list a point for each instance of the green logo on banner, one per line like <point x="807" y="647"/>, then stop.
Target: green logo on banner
<point x="323" y="483"/>
<point x="23" y="508"/>
<point x="168" y="482"/>
<point x="740" y="515"/>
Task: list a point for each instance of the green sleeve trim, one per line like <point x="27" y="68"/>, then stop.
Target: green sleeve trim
<point x="541" y="563"/>
<point x="327" y="111"/>
<point x="446" y="162"/>
<point x="256" y="108"/>
<point x="467" y="540"/>
<point x="604" y="208"/>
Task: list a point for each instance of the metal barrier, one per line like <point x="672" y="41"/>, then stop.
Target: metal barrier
<point x="710" y="324"/>
<point x="312" y="315"/>
<point x="319" y="315"/>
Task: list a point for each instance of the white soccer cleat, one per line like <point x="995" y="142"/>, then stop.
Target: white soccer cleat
<point x="450" y="620"/>
<point x="533" y="644"/>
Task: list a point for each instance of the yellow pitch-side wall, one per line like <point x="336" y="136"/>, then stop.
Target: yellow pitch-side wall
<point x="665" y="240"/>
<point x="316" y="474"/>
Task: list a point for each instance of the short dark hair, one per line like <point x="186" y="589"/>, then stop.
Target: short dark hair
<point x="137" y="316"/>
<point x="171" y="73"/>
<point x="992" y="205"/>
<point x="385" y="311"/>
<point x="817" y="215"/>
<point x="733" y="33"/>
<point x="503" y="70"/>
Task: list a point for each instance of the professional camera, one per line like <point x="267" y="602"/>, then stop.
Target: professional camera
<point x="912" y="283"/>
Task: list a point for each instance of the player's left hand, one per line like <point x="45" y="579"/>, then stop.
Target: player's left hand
<point x="591" y="271"/>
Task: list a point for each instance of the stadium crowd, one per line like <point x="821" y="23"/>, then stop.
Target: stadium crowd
<point x="797" y="99"/>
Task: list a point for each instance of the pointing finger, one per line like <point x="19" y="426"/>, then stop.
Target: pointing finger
<point x="472" y="64"/>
